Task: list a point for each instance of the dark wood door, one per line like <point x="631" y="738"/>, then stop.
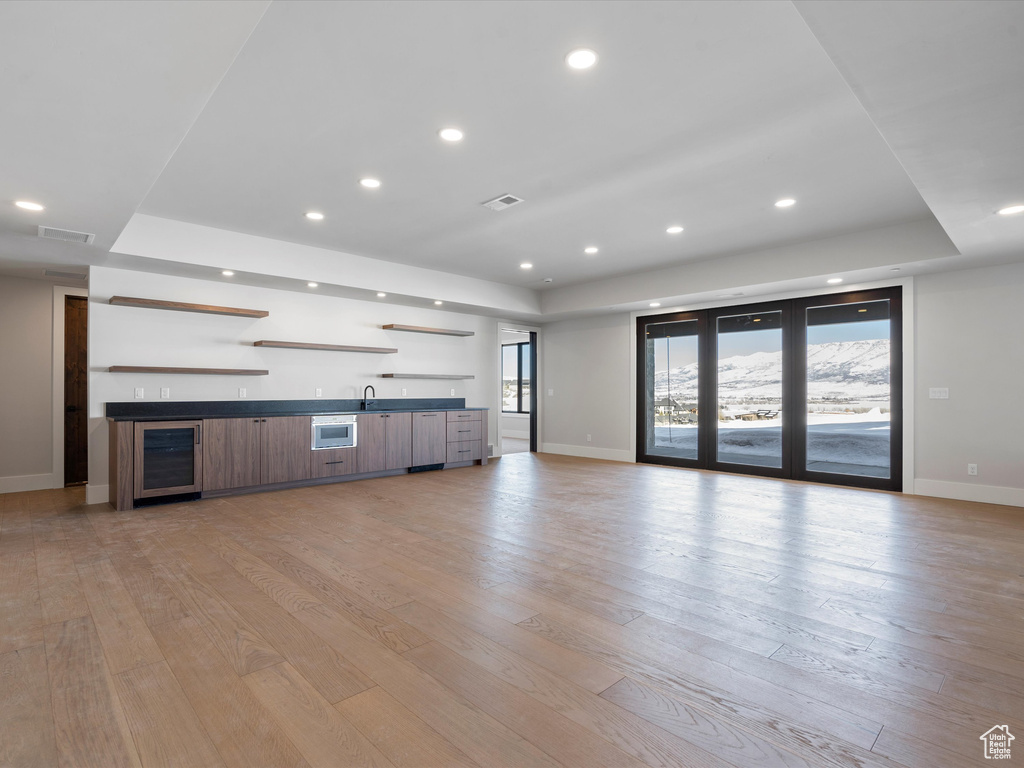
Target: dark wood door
<point x="398" y="453"/>
<point x="285" y="449"/>
<point x="76" y="394"/>
<point x="370" y="441"/>
<point x="231" y="453"/>
<point x="429" y="438"/>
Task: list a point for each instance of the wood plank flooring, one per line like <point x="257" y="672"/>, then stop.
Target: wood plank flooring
<point x="538" y="611"/>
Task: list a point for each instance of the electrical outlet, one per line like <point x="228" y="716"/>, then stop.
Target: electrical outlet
<point x="139" y="393"/>
<point x="588" y="438"/>
<point x="453" y="392"/>
<point x="972" y="469"/>
<point x="938" y="393"/>
<point x="165" y="393"/>
<point x="241" y="391"/>
<point x="403" y="391"/>
<point x="319" y="392"/>
<point x="551" y="393"/>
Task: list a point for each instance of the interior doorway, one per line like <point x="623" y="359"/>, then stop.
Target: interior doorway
<point x="76" y="392"/>
<point x="518" y="420"/>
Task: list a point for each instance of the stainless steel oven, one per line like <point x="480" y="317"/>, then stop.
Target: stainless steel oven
<point x="333" y="431"/>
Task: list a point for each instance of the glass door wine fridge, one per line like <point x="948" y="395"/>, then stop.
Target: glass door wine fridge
<point x="168" y="458"/>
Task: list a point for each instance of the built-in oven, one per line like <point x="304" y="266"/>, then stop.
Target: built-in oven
<point x="333" y="431"/>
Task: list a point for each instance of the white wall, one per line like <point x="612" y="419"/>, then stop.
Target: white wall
<point x="26" y="335"/>
<point x="587" y="364"/>
<point x="131" y="336"/>
<point x="969" y="339"/>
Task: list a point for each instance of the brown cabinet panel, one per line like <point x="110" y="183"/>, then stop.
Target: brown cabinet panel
<point x="231" y="453"/>
<point x="285" y="449"/>
<point x="398" y="454"/>
<point x="463" y="430"/>
<point x="429" y="438"/>
<point x="333" y="462"/>
<point x="458" y="416"/>
<point x="469" y="450"/>
<point x="370" y="441"/>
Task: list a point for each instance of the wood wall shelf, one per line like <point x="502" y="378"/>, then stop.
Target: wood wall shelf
<point x="180" y="306"/>
<point x="325" y="347"/>
<point x="422" y="329"/>
<point x="197" y="371"/>
<point x="423" y="376"/>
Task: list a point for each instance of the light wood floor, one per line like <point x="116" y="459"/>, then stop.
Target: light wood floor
<point x="539" y="611"/>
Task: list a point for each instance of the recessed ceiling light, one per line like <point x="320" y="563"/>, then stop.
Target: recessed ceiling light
<point x="674" y="230"/>
<point x="313" y="285"/>
<point x="381" y="294"/>
<point x="314" y="215"/>
<point x="526" y="265"/>
<point x="227" y="273"/>
<point x="655" y="304"/>
<point x="834" y="280"/>
<point x="862" y="310"/>
<point x="439" y="303"/>
<point x="28" y="206"/>
<point x="591" y="249"/>
<point x="370" y="183"/>
<point x="785" y="202"/>
<point x="450" y="134"/>
<point x="581" y="58"/>
<point x="894" y="269"/>
<point x="757" y="319"/>
<point x="1002" y="211"/>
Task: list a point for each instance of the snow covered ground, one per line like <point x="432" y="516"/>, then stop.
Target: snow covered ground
<point x="847" y="443"/>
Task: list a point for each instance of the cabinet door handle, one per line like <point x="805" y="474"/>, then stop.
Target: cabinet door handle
<point x="466" y="451"/>
<point x="198" y="434"/>
<point x="428" y="414"/>
<point x="334" y="462"/>
<point x="465" y="430"/>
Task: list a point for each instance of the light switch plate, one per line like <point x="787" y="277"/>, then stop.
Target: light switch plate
<point x="165" y="393"/>
<point x="551" y="393"/>
<point x="139" y="393"/>
<point x="938" y="393"/>
<point x="319" y="392"/>
<point x="403" y="391"/>
<point x="241" y="391"/>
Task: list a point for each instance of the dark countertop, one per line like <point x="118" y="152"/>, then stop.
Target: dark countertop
<point x="226" y="409"/>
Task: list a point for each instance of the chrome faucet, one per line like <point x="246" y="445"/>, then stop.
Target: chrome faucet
<point x="370" y="387"/>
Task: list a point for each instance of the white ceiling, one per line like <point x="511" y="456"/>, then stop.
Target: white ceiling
<point x="242" y="116"/>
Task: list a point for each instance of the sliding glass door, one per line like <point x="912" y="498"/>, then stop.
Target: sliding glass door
<point x="805" y="389"/>
<point x="749" y="393"/>
<point x="670" y="404"/>
<point x="848" y="389"/>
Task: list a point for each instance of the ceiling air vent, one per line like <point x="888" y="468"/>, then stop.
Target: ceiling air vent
<point x="502" y="202"/>
<point x="68" y="236"/>
<point x="64" y="275"/>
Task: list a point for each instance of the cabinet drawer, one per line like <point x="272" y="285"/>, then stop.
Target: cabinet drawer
<point x="469" y="450"/>
<point x="463" y="430"/>
<point x="333" y="462"/>
<point x="457" y="416"/>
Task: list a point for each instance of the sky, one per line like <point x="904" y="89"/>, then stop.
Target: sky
<point x="682" y="350"/>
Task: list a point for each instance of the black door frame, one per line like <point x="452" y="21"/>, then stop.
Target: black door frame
<point x="794" y="388"/>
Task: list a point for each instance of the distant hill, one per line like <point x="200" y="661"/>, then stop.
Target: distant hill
<point x="837" y="370"/>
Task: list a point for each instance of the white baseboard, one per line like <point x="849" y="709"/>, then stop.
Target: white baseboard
<point x="519" y="434"/>
<point x="987" y="494"/>
<point x="27" y="483"/>
<point x="97" y="494"/>
<point x="609" y="454"/>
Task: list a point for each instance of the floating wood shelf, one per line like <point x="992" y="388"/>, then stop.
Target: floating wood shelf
<point x="180" y="306"/>
<point x="423" y="376"/>
<point x="199" y="371"/>
<point x="325" y="347"/>
<point x="421" y="329"/>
